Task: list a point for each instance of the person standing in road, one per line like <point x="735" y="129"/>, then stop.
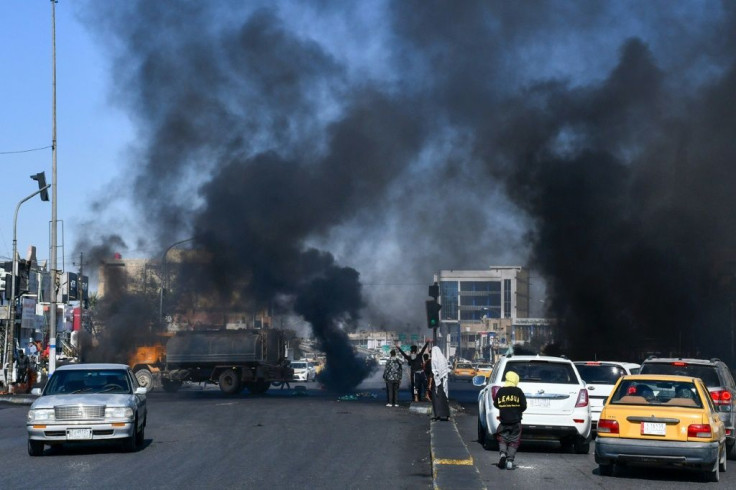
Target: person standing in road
<point x="23" y="367"/>
<point x="416" y="373"/>
<point x="511" y="403"/>
<point x="440" y="389"/>
<point x="392" y="376"/>
<point x="427" y="367"/>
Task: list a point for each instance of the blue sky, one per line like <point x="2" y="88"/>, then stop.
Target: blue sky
<point x="91" y="132"/>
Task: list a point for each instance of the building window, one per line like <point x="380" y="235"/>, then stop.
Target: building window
<point x="448" y="299"/>
<point x="507" y="298"/>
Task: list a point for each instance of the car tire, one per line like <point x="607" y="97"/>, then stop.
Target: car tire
<point x="229" y="382"/>
<point x="581" y="446"/>
<point x="129" y="443"/>
<point x="723" y="463"/>
<point x="145" y="379"/>
<point x="481" y="433"/>
<point x="35" y="448"/>
<point x="140" y="437"/>
<point x="605" y="469"/>
<point x="731" y="450"/>
<point x="490" y="443"/>
<point x="713" y="475"/>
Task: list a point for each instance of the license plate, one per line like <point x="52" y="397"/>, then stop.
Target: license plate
<point x="78" y="434"/>
<point x="653" y="429"/>
<point x="539" y="402"/>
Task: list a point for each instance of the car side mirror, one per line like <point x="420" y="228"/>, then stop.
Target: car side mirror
<point x="141" y="390"/>
<point x="480" y="380"/>
<point x="36" y="391"/>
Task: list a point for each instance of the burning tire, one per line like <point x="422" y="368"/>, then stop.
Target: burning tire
<point x="229" y="382"/>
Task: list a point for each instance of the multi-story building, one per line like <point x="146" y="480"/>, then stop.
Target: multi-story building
<point x="481" y="310"/>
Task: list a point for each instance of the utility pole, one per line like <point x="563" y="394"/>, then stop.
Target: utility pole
<point x="80" y="297"/>
<point x="54" y="193"/>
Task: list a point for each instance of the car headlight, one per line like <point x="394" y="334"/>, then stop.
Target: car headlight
<point x="40" y="415"/>
<point x="118" y="412"/>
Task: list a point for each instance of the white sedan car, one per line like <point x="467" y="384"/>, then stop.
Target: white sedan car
<point x="303" y="371"/>
<point x="85" y="403"/>
<point x="557" y="402"/>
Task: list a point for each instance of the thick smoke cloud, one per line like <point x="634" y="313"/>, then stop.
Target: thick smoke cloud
<point x="307" y="148"/>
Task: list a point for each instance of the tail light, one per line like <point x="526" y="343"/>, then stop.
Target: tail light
<point x="582" y="398"/>
<point x="699" y="430"/>
<point x="721" y="397"/>
<point x="494" y="390"/>
<point x="607" y="426"/>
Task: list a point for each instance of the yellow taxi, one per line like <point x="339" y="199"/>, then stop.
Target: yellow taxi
<point x="483" y="369"/>
<point x="463" y="371"/>
<point x="661" y="420"/>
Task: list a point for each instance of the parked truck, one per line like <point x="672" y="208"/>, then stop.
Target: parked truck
<point x="232" y="359"/>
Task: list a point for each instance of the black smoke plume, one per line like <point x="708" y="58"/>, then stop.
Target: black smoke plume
<point x="395" y="139"/>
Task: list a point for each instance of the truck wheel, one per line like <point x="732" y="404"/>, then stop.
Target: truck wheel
<point x="229" y="382"/>
<point x="145" y="379"/>
<point x="258" y="387"/>
<point x="170" y="386"/>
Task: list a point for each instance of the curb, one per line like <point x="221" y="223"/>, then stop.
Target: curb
<point x="452" y="465"/>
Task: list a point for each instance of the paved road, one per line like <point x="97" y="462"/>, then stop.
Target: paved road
<point x="543" y="465"/>
<point x="202" y="439"/>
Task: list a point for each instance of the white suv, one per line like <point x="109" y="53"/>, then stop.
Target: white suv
<point x="557" y="402"/>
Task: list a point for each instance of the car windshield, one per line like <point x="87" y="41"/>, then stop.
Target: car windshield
<point x="88" y="381"/>
<point x="464" y="366"/>
<point x="708" y="374"/>
<point x="299" y="365"/>
<point x="600" y="373"/>
<point x="543" y="372"/>
<point x="485" y="366"/>
<point x="655" y="392"/>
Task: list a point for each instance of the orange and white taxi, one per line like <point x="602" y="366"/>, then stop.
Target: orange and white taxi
<point x="661" y="420"/>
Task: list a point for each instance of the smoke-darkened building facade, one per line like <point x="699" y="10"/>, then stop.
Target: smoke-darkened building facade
<point x="480" y="309"/>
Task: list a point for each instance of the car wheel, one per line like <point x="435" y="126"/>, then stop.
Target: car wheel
<point x="581" y="446"/>
<point x="129" y="443"/>
<point x="481" y="433"/>
<point x="605" y="469"/>
<point x="724" y="461"/>
<point x="229" y="382"/>
<point x="35" y="448"/>
<point x="731" y="450"/>
<point x="490" y="443"/>
<point x="145" y="379"/>
<point x="713" y="475"/>
<point x="140" y="436"/>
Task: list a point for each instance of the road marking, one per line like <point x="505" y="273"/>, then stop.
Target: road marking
<point x="460" y="462"/>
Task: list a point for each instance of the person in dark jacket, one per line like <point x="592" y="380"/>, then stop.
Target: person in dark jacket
<point x="392" y="377"/>
<point x="511" y="403"/>
<point x="414" y="359"/>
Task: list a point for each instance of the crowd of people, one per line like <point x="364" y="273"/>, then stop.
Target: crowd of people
<point x="428" y="378"/>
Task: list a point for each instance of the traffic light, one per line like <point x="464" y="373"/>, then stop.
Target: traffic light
<point x="41" y="178"/>
<point x="434" y="291"/>
<point x="433" y="313"/>
<point x="3" y="276"/>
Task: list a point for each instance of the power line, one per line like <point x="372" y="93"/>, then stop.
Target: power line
<point x="24" y="151"/>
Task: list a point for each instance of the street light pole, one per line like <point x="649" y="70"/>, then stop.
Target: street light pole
<point x="165" y="276"/>
<point x="10" y="329"/>
<point x="53" y="261"/>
